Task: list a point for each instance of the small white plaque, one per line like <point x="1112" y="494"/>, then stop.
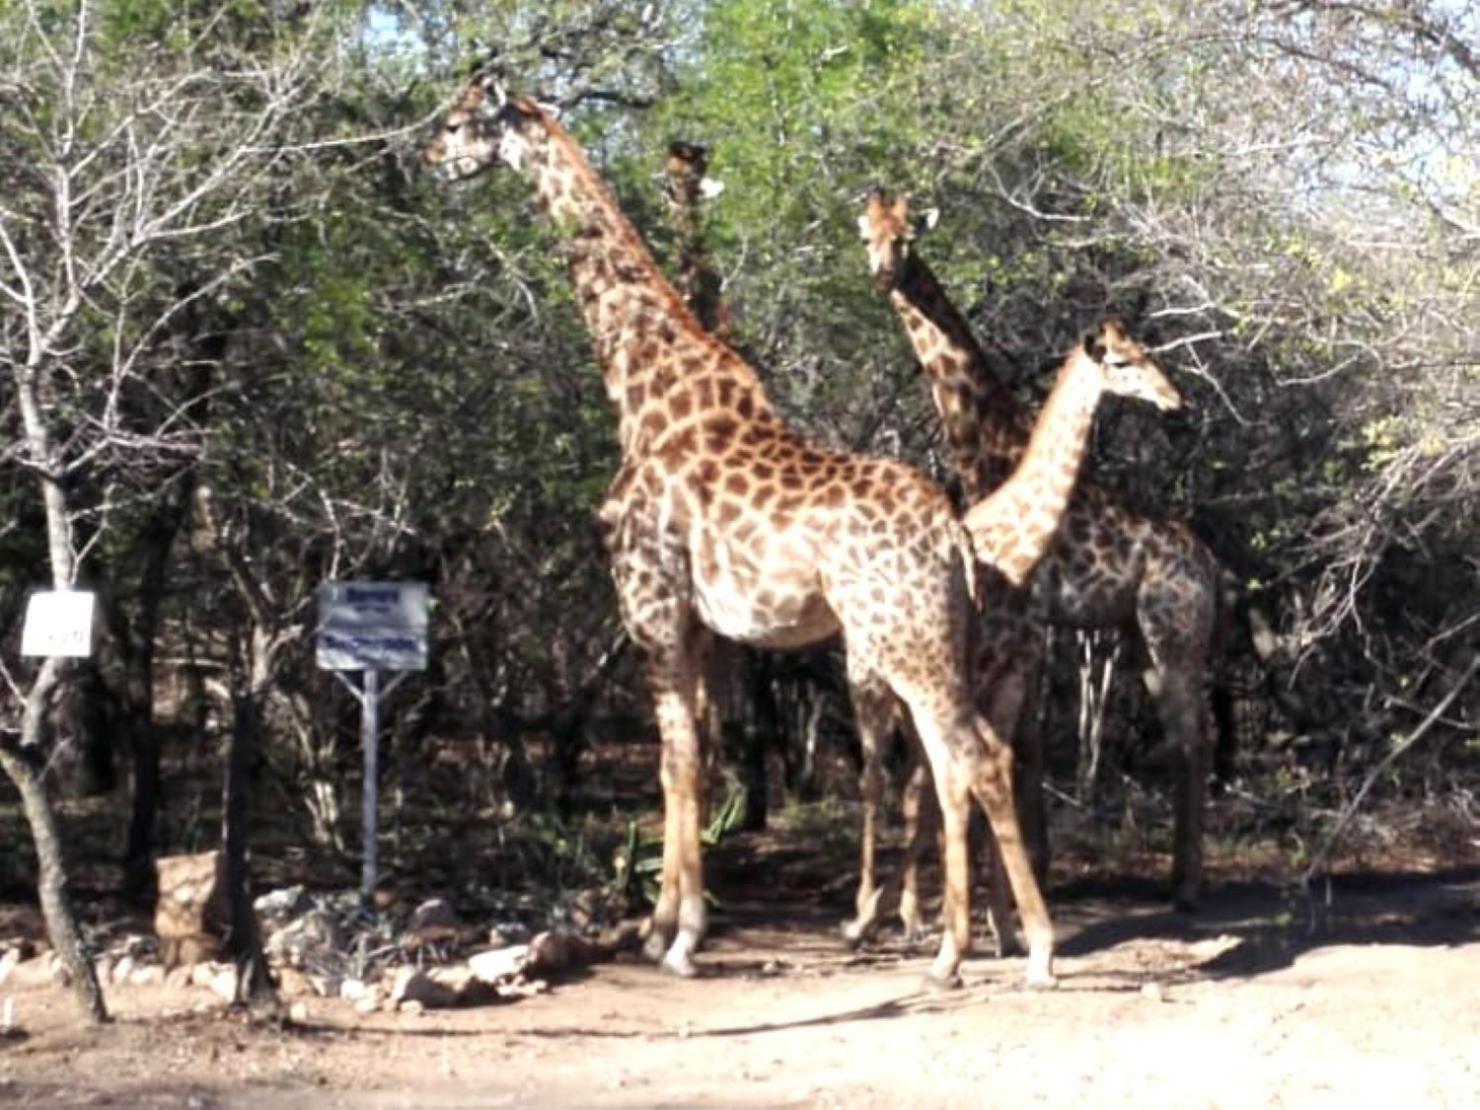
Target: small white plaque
<point x="59" y="622"/>
<point x="372" y="625"/>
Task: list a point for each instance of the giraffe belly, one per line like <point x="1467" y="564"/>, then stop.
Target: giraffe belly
<point x="757" y="605"/>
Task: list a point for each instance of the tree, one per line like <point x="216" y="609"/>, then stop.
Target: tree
<point x="135" y="144"/>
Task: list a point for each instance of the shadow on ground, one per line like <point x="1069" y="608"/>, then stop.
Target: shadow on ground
<point x="1273" y="925"/>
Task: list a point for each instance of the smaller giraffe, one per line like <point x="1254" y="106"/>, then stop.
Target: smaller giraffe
<point x="1011" y="529"/>
<point x="1106" y="568"/>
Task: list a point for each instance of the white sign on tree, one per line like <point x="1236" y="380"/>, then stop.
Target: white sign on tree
<point x="59" y="622"/>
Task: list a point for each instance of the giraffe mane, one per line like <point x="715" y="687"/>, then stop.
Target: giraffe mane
<point x="590" y="179"/>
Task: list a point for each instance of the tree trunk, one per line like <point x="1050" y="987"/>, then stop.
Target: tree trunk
<point x="243" y="943"/>
<point x="22" y="765"/>
<point x="138" y="858"/>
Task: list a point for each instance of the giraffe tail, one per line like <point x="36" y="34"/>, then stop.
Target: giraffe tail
<point x="968" y="553"/>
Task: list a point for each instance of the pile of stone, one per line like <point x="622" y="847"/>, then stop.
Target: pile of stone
<point x="389" y="955"/>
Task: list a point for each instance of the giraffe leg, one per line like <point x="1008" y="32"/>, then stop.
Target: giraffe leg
<point x="999" y="902"/>
<point x="680" y="917"/>
<point x="873" y="708"/>
<point x="1177" y="703"/>
<point x="992" y="785"/>
<point x="1010" y="658"/>
<point x="1176" y="611"/>
<point x="951" y="770"/>
<point x="952" y="791"/>
<point x="656" y="611"/>
<point x="920" y="813"/>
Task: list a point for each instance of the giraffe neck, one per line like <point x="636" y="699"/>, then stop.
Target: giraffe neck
<point x="659" y="366"/>
<point x="986" y="428"/>
<point x="698" y="282"/>
<point x="1014" y="526"/>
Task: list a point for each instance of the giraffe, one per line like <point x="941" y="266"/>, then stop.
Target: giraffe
<point x="685" y="166"/>
<point x="1107" y="567"/>
<point x="732" y="671"/>
<point x="724" y="519"/>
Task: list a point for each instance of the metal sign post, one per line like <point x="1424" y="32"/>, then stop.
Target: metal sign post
<point x="370" y="627"/>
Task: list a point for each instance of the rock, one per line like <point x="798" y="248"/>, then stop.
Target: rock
<point x="315" y="933"/>
<point x="325" y="986"/>
<point x="285" y="903"/>
<point x="177" y="978"/>
<point x="224" y="984"/>
<point x="23" y="947"/>
<point x="413" y="985"/>
<point x="123" y="969"/>
<point x="201" y="975"/>
<point x="298" y="1013"/>
<point x="193" y="911"/>
<point x="524" y="989"/>
<point x="1153" y="992"/>
<point x="370" y="1002"/>
<point x="624" y="936"/>
<point x="499" y="964"/>
<point x="9" y="961"/>
<point x="148" y="976"/>
<point x="552" y="953"/>
<point x="434" y="913"/>
<point x="467" y="989"/>
<point x="587" y="908"/>
<point x="293" y="983"/>
<point x="508" y="933"/>
<point x="352" y="990"/>
<point x="35" y="972"/>
<point x="411" y="1006"/>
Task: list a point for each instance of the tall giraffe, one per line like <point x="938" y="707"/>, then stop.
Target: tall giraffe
<point x="732" y="672"/>
<point x="723" y="519"/>
<point x="1107" y="567"/>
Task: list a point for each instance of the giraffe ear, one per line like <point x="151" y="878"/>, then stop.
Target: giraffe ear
<point x="1094" y="345"/>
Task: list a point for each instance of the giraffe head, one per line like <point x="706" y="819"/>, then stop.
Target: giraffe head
<point x="888" y="229"/>
<point x="1124" y="367"/>
<point x="484" y="127"/>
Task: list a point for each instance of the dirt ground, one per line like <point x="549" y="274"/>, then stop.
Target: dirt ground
<point x="1261" y="999"/>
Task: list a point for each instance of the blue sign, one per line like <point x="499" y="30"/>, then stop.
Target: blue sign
<point x="372" y="626"/>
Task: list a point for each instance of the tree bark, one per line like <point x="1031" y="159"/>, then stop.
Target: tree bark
<point x="243" y="943"/>
<point x="22" y="765"/>
<point x="138" y="857"/>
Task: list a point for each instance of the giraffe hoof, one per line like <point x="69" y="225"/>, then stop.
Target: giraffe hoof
<point x="1040" y="976"/>
<point x="1186" y="900"/>
<point x="853" y="934"/>
<point x="915" y="937"/>
<point x="679" y="965"/>
<point x="655" y="948"/>
<point x="942" y="984"/>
